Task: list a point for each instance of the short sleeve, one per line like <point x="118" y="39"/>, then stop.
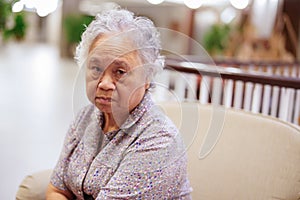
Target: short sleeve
<point x="72" y="138"/>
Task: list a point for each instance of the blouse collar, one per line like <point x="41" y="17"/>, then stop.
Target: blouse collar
<point x="144" y="106"/>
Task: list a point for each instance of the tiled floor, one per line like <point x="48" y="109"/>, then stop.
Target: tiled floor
<point x="37" y="100"/>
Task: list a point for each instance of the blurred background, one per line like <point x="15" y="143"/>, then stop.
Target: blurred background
<point x="226" y="28"/>
<point x="38" y="74"/>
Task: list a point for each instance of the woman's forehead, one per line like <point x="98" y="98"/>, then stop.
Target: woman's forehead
<point x="109" y="56"/>
<point x="114" y="48"/>
<point x="113" y="44"/>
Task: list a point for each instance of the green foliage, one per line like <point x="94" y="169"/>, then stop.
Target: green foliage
<point x="16" y="29"/>
<point x="74" y="26"/>
<point x="215" y="40"/>
<point x="5" y="11"/>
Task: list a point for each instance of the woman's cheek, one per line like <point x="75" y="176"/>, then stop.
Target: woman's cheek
<point x="90" y="91"/>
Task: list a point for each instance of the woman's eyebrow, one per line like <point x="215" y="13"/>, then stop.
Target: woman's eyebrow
<point x="94" y="60"/>
<point x="120" y="63"/>
<point x="97" y="61"/>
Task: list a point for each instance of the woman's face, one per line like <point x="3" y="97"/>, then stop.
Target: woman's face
<point x="115" y="76"/>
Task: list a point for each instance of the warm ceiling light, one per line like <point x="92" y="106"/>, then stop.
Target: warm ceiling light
<point x="193" y="4"/>
<point x="155" y="1"/>
<point x="239" y="4"/>
<point x="17" y="7"/>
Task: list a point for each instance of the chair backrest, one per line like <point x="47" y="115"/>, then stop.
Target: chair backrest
<point x="250" y="156"/>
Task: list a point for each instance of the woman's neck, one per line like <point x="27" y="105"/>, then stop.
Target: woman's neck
<point x="109" y="123"/>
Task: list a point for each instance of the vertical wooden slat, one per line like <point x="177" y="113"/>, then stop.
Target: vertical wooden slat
<point x="248" y="95"/>
<point x="179" y="86"/>
<point x="257" y="95"/>
<point x="274" y="103"/>
<point x="266" y="100"/>
<point x="217" y="91"/>
<point x="228" y="92"/>
<point x="266" y="104"/>
<point x="256" y="99"/>
<point x="286" y="99"/>
<point x="283" y="104"/>
<point x="291" y="96"/>
<point x="275" y="96"/>
<point x="191" y="84"/>
<point x="238" y="95"/>
<point x="204" y="89"/>
<point x="296" y="118"/>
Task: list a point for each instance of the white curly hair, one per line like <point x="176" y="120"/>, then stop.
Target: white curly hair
<point x="142" y="32"/>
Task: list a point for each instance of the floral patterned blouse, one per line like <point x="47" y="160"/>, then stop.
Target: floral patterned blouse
<point x="144" y="159"/>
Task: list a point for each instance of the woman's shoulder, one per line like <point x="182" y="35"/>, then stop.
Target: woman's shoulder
<point x="85" y="112"/>
<point x="85" y="115"/>
<point x="158" y="118"/>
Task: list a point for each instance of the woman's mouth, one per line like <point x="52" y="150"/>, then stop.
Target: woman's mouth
<point x="103" y="100"/>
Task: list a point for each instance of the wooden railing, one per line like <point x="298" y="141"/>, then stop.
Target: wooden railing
<point x="256" y="90"/>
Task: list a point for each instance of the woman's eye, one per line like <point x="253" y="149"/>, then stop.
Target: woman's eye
<point x="96" y="71"/>
<point x="119" y="73"/>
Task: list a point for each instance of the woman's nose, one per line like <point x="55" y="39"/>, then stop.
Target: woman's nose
<point x="106" y="82"/>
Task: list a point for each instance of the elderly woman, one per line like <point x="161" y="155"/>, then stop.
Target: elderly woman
<point x="121" y="146"/>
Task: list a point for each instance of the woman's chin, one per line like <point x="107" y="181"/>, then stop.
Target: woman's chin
<point x="104" y="108"/>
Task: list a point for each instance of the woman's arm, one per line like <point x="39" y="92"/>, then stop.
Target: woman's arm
<point x="55" y="194"/>
<point x="71" y="140"/>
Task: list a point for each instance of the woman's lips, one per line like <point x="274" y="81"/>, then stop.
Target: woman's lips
<point x="103" y="100"/>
